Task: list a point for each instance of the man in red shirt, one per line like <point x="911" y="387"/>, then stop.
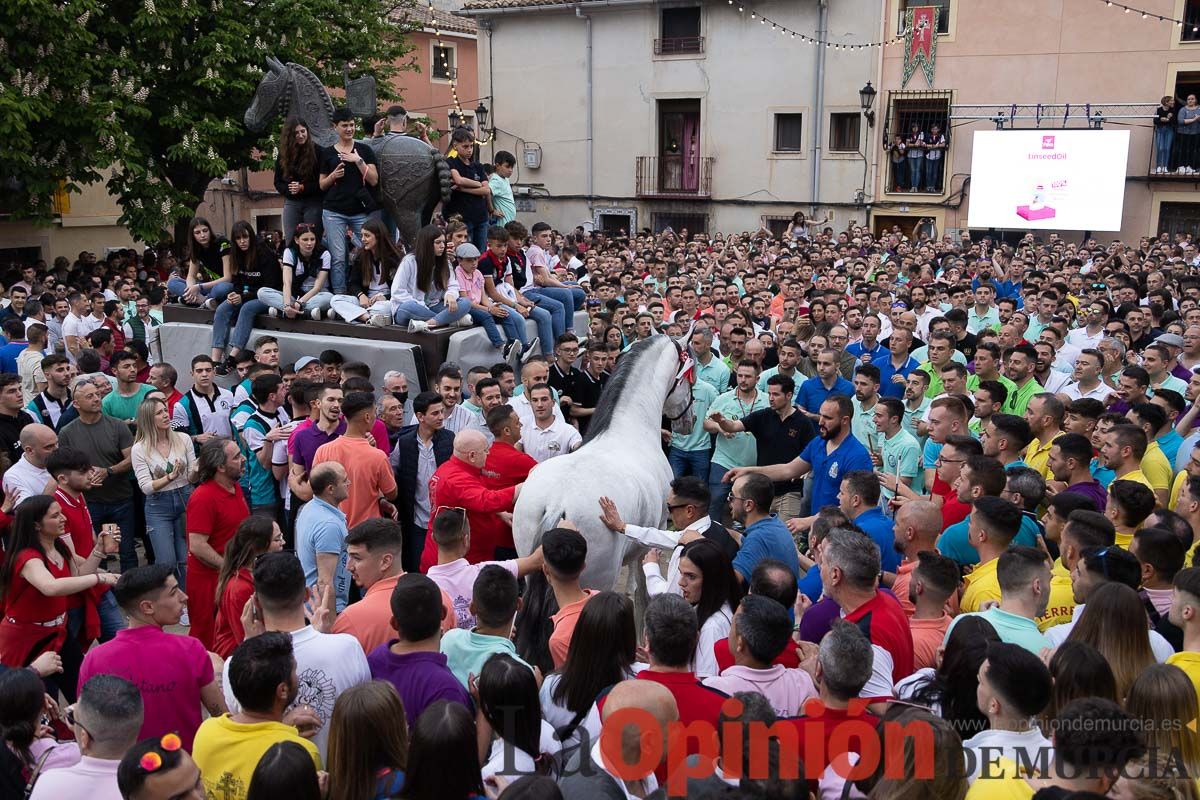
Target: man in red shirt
<point x="459" y="483"/>
<point x="849" y="575"/>
<point x="506" y="466"/>
<point x="163" y="378"/>
<point x="955" y="452"/>
<point x="214" y="512"/>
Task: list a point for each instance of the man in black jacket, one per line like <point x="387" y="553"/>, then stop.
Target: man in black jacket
<point x="420" y="450"/>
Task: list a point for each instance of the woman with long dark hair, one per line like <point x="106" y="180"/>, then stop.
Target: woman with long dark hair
<point x="521" y="742"/>
<point x="305" y="276"/>
<point x="1116" y="607"/>
<point x="26" y="745"/>
<point x="296" y="177"/>
<point x="708" y="582"/>
<point x="38" y="576"/>
<point x="950" y="690"/>
<point x="370" y="278"/>
<point x="208" y="264"/>
<point x="368" y="743"/>
<point x="1078" y="670"/>
<point x="283" y="773"/>
<point x="443" y="755"/>
<point x="601" y="655"/>
<point x="235" y="583"/>
<point x="255" y="266"/>
<point x="425" y="293"/>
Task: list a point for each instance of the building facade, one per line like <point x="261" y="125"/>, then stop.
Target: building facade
<point x="1066" y="56"/>
<point x="632" y="114"/>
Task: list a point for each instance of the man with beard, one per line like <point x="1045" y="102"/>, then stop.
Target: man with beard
<point x="789" y="357"/>
<point x="1086" y="376"/>
<point x="827" y="458"/>
<point x="826" y="383"/>
<point x="868" y="350"/>
<point x="1021" y="361"/>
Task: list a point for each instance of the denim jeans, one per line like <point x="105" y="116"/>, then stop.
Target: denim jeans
<point x="933" y="174"/>
<point x="1164" y="138"/>
<point x="297" y="211"/>
<point x="273" y="298"/>
<point x="916" y="169"/>
<point x="166" y="513"/>
<point x="477" y="234"/>
<point x="558" y="315"/>
<point x="900" y="174"/>
<point x="111" y="618"/>
<point x="488" y="322"/>
<point x="439" y="313"/>
<point x="335" y="240"/>
<point x="223" y="320"/>
<point x="689" y="462"/>
<point x="245" y="323"/>
<point x="719" y="503"/>
<point x="122" y="515"/>
<point x="177" y="286"/>
<point x="545" y="329"/>
<point x="565" y="295"/>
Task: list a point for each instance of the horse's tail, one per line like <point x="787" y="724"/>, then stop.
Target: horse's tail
<point x="533" y="626"/>
<point x="443" y="176"/>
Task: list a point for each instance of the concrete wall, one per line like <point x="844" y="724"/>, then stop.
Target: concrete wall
<point x="534" y="64"/>
<point x="89" y="224"/>
<point x="1049" y="51"/>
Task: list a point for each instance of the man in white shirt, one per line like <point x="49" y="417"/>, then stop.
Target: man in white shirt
<point x="1091" y="334"/>
<point x="28" y="477"/>
<point x="458" y="417"/>
<point x="548" y="436"/>
<point x="78" y="324"/>
<point x="1014" y="687"/>
<point x="1086" y="377"/>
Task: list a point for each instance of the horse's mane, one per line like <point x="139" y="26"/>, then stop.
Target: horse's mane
<point x="606" y="408"/>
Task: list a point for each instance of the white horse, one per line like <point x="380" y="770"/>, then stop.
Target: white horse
<point x="621" y="458"/>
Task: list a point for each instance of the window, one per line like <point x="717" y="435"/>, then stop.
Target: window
<point x="913" y="116"/>
<point x="943" y="15"/>
<point x="443" y="66"/>
<point x="692" y="223"/>
<point x="843" y="132"/>
<point x="776" y="225"/>
<point x="1190" y="31"/>
<point x="788" y="133"/>
<point x="1179" y="218"/>
<point x="679" y="31"/>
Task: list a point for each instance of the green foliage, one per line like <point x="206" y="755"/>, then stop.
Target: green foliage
<point x="154" y="90"/>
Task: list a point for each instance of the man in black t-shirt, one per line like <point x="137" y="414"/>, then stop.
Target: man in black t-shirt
<point x="470" y="193"/>
<point x="564" y="377"/>
<point x="347" y="169"/>
<point x="589" y="384"/>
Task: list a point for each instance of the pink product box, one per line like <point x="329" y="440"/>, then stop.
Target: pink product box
<point x="1046" y="212"/>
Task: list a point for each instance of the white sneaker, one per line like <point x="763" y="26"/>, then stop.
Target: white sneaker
<point x="381" y="320"/>
<point x="465" y="322"/>
<point x="528" y="353"/>
<point x="418" y="326"/>
<point x="184" y="620"/>
<point x="315" y="315"/>
<point x="273" y="312"/>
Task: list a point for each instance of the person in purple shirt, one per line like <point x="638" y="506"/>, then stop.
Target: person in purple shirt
<point x="1069" y="463"/>
<point x="412" y="663"/>
<point x="329" y="425"/>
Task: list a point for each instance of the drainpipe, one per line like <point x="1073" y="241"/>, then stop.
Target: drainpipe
<point x="819" y="103"/>
<point x="588" y="100"/>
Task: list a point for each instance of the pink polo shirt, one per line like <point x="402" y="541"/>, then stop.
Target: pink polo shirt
<point x="471" y="286"/>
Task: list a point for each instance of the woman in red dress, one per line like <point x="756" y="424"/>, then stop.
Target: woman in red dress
<point x="37" y="577"/>
<point x="255" y="536"/>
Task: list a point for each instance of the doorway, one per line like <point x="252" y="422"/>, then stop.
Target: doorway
<point x="679" y="146"/>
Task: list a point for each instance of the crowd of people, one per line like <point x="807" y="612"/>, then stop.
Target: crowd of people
<point x="931" y="535"/>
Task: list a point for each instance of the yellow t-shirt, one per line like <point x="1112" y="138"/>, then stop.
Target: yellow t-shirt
<point x="1189" y="662"/>
<point x="227" y="752"/>
<point x="1007" y="784"/>
<point x="1062" y="599"/>
<point x="1136" y="476"/>
<point x="1037" y="456"/>
<point x="1156" y="468"/>
<point x="1122" y="540"/>
<point x="1176" y="487"/>
<point x="982" y="586"/>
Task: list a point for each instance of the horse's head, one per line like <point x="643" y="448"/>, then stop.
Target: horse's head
<point x="268" y="97"/>
<point x="678" y="406"/>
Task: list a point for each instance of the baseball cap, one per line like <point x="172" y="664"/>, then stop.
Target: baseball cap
<point x="467" y="250"/>
<point x="304" y="361"/>
<point x="1170" y="339"/>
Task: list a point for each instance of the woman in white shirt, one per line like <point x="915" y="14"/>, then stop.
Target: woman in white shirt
<point x="425" y="293"/>
<point x="164" y="463"/>
<point x="305" y="275"/>
<point x="708" y="582"/>
<point x="370" y="278"/>
<point x="506" y="699"/>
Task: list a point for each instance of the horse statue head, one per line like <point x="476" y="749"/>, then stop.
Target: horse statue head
<point x="292" y="89"/>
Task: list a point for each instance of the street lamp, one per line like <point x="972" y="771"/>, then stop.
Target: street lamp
<point x="455" y="119"/>
<point x="866" y="97"/>
<point x="481" y="115"/>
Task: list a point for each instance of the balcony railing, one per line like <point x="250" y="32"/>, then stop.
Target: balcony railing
<point x="1174" y="156"/>
<point x="678" y="45"/>
<point x="674" y="176"/>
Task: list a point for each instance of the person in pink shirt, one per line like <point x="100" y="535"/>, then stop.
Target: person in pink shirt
<point x="179" y="678"/>
<point x="483" y="311"/>
<point x="760" y="631"/>
<point x="454" y="575"/>
<point x="565" y="554"/>
<point x="934" y="581"/>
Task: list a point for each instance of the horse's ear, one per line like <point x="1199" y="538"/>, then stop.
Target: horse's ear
<point x="275" y="65"/>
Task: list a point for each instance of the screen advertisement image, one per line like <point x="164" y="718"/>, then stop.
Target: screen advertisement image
<point x="1048" y="179"/>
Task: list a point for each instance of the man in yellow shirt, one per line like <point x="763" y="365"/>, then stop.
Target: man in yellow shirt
<point x="1045" y="414"/>
<point x="1121" y="450"/>
<point x="1059" y="513"/>
<point x="1129" y="503"/>
<point x="262" y="676"/>
<point x="1185" y="613"/>
<point x="1155" y="466"/>
<point x="992" y="525"/>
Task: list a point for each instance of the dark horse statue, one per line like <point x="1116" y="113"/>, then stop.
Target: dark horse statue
<point x="413" y="177"/>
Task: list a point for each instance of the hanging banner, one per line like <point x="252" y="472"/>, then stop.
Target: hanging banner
<point x="920" y="41"/>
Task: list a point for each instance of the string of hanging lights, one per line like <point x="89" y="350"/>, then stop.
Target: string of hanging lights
<point x="783" y="30"/>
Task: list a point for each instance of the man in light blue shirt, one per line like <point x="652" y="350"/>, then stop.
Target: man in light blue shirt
<point x="765" y="536"/>
<point x="689" y="453"/>
<point x="321" y="533"/>
<point x="1024" y="578"/>
<point x="984" y="313"/>
<point x="504" y="207"/>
